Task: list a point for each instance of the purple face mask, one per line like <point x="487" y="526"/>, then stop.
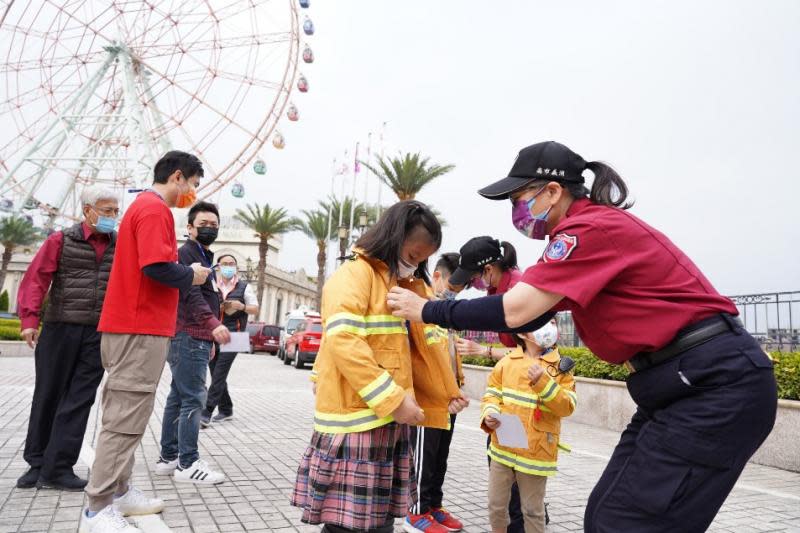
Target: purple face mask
<point x="478" y="283"/>
<point x="533" y="227"/>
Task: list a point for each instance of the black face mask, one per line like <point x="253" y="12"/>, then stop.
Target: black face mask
<point x="206" y="236"/>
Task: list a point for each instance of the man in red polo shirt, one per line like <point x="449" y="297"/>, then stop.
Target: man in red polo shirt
<point x="137" y="322"/>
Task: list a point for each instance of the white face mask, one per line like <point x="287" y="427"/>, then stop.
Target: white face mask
<point x="405" y="270"/>
<point x="546" y="336"/>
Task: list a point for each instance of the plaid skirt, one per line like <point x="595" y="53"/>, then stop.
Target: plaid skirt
<point x="357" y="481"/>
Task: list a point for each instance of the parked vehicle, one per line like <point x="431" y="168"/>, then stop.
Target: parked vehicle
<point x="302" y="346"/>
<point x="291" y="322"/>
<point x="264" y="337"/>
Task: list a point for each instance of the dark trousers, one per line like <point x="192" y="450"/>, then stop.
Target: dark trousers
<point x="218" y="395"/>
<point x="68" y="372"/>
<point x="700" y="417"/>
<point x="431" y="448"/>
<point x="517" y="524"/>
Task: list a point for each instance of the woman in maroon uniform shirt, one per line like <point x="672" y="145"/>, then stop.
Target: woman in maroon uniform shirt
<point x="705" y="390"/>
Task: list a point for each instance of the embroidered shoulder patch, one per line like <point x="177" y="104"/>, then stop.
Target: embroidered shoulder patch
<point x="560" y="247"/>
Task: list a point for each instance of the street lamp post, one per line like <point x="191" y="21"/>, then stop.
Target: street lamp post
<point x="344" y="234"/>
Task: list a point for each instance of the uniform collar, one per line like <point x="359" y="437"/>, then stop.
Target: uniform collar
<point x="575" y="207"/>
<point x="552" y="356"/>
<point x="88" y="233"/>
<point x="517" y="353"/>
<point x="377" y="265"/>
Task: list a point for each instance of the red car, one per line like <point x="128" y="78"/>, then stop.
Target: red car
<point x="264" y="337"/>
<point x="302" y="346"/>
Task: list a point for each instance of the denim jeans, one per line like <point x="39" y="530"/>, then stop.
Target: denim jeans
<point x="188" y="361"/>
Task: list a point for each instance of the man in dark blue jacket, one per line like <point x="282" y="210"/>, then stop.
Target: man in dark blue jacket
<point x="198" y="327"/>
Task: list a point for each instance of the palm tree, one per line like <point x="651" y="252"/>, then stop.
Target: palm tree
<point x="315" y="226"/>
<point x="406" y="176"/>
<point x="15" y="231"/>
<point x="266" y="222"/>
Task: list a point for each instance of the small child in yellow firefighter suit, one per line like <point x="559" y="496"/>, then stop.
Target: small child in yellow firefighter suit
<point x="528" y="383"/>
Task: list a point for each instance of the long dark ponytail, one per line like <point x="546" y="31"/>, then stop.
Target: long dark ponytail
<point x="608" y="188"/>
<point x="509" y="260"/>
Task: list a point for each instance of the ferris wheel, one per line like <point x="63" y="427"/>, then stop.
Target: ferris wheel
<point x="95" y="91"/>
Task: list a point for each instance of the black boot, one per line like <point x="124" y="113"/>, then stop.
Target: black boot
<point x="68" y="482"/>
<point x="28" y="479"/>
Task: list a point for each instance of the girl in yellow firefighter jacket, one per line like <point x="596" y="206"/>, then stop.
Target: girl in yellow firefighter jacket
<point x="375" y="374"/>
<point x="527" y="382"/>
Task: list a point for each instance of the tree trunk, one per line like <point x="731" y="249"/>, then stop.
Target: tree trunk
<point x="321" y="260"/>
<point x="8" y="251"/>
<point x="402" y="196"/>
<point x="263" y="246"/>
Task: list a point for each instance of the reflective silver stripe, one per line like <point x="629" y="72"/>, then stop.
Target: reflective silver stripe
<point x="382" y="387"/>
<point x="518" y="397"/>
<point x="345" y="322"/>
<point x="345" y="423"/>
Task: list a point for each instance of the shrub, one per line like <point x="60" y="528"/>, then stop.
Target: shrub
<point x="4" y="301"/>
<point x="787" y="369"/>
<point x="8" y="333"/>
<point x="9" y="323"/>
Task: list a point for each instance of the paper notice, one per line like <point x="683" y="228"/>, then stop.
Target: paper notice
<point x="240" y="342"/>
<point x="511" y="432"/>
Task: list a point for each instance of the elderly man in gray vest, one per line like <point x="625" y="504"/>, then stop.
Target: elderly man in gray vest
<point x="74" y="266"/>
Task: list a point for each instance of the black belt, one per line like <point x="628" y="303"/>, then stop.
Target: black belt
<point x="686" y="339"/>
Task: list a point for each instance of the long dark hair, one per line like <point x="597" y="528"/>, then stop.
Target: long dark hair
<point x="384" y="240"/>
<point x="509" y="260"/>
<point x="608" y="188"/>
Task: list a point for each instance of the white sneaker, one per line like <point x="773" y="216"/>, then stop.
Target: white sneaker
<point x="198" y="473"/>
<point x="109" y="520"/>
<point x="135" y="502"/>
<point x="165" y="468"/>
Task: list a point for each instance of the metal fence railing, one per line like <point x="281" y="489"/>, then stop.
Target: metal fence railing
<point x="772" y="318"/>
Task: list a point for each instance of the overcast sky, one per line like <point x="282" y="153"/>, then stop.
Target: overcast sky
<point x="695" y="103"/>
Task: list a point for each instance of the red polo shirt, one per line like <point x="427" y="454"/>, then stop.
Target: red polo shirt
<point x="135" y="303"/>
<point x="628" y="287"/>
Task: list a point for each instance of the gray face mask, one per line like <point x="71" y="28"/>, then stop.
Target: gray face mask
<point x="404" y="269"/>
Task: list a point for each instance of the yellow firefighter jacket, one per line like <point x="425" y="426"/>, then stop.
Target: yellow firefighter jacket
<point x="368" y="359"/>
<point x="510" y="391"/>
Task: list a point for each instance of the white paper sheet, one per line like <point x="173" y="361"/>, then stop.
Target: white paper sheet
<point x="240" y="342"/>
<point x="511" y="432"/>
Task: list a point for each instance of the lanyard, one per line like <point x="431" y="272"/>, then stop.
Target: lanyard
<point x="203" y="254"/>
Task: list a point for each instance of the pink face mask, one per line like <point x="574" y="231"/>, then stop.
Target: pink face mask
<point x="478" y="283"/>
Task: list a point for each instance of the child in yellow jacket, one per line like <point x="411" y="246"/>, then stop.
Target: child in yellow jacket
<point x="528" y="383"/>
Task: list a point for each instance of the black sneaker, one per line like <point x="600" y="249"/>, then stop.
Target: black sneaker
<point x="205" y="420"/>
<point x="28" y="479"/>
<point x="221" y="417"/>
<point x="66" y="482"/>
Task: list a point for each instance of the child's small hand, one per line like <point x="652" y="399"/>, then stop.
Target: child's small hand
<point x="534" y="373"/>
<point x="458" y="404"/>
<point x="491" y="422"/>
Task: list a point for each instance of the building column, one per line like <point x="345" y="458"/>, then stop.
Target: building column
<point x="273" y="302"/>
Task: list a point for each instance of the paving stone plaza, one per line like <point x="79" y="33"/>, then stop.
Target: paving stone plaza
<point x="260" y="448"/>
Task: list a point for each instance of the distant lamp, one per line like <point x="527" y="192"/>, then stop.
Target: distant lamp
<point x="344" y="234"/>
<point x="251" y="271"/>
<point x="363" y="221"/>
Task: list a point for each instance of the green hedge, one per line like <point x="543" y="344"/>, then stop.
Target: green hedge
<point x="9" y="323"/>
<point x="9" y="333"/>
<point x="787" y="369"/>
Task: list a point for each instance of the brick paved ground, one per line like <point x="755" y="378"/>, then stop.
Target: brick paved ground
<point x="260" y="448"/>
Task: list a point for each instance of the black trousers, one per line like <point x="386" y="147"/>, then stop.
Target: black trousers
<point x="700" y="417"/>
<point x="431" y="448"/>
<point x="517" y="519"/>
<point x="68" y="372"/>
<point x="218" y="391"/>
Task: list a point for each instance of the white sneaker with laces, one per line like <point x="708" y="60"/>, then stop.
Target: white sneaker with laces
<point x="198" y="473"/>
<point x="135" y="502"/>
<point x="109" y="520"/>
<point x="165" y="468"/>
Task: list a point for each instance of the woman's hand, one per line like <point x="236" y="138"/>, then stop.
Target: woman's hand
<point x="458" y="404"/>
<point x="468" y="347"/>
<point x="405" y="304"/>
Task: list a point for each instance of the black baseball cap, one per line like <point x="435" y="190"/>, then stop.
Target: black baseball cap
<point x="546" y="160"/>
<point x="475" y="254"/>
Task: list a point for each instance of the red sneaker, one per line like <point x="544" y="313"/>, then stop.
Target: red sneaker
<point x="423" y="523"/>
<point x="448" y="521"/>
